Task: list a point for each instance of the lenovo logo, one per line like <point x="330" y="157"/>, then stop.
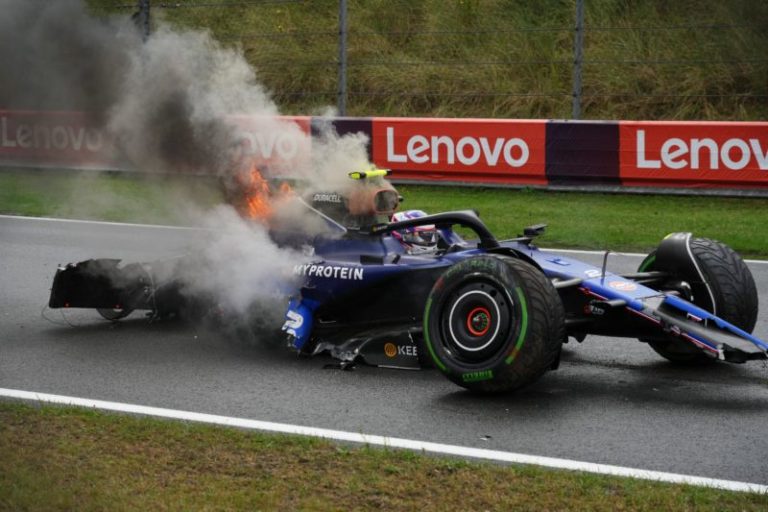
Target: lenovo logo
<point x="282" y="146"/>
<point x="467" y="150"/>
<point x="273" y="139"/>
<point x="68" y="135"/>
<point x="706" y="153"/>
<point x="462" y="150"/>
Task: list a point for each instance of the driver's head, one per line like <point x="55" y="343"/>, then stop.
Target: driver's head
<point x="416" y="239"/>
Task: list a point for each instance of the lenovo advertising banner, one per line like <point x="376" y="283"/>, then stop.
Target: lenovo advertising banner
<point x="54" y="139"/>
<point x="461" y="150"/>
<point x="498" y="152"/>
<point x="694" y="154"/>
<point x="280" y="144"/>
<point x="71" y="140"/>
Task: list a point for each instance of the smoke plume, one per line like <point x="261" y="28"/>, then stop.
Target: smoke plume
<point x="170" y="103"/>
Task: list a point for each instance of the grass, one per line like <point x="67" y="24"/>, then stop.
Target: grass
<point x="104" y="196"/>
<point x="576" y="220"/>
<point x="499" y="58"/>
<point x="605" y="221"/>
<point x="55" y="458"/>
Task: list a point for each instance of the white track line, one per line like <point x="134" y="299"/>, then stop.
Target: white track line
<point x="388" y="442"/>
<point x="98" y="222"/>
<point x="567" y="251"/>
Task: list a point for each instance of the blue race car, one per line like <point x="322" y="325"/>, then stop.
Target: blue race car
<point x="406" y="290"/>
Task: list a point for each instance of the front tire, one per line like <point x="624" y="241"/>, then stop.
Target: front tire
<point x="493" y="324"/>
<point x="731" y="290"/>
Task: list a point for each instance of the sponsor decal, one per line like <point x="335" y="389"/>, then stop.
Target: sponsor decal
<point x="393" y="350"/>
<point x="623" y="286"/>
<point x="298" y="322"/>
<point x="694" y="154"/>
<point x="593" y="273"/>
<point x="500" y="150"/>
<point x="293" y="321"/>
<point x="594" y="309"/>
<point x="330" y="271"/>
<point x="327" y="198"/>
<point x="477" y="376"/>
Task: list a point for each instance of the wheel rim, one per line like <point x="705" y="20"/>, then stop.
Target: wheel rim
<point x="476" y="321"/>
<point x="479" y="321"/>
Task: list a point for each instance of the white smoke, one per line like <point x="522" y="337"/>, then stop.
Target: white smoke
<point x="169" y="103"/>
<point x="239" y="264"/>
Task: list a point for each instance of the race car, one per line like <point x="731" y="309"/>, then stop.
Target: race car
<point x="406" y="290"/>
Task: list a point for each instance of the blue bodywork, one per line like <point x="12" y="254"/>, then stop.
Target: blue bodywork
<point x="363" y="294"/>
<point x="346" y="269"/>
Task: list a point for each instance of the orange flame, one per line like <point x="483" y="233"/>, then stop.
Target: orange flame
<point x="257" y="196"/>
<point x="260" y="199"/>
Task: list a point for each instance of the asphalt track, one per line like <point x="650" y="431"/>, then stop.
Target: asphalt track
<point x="613" y="401"/>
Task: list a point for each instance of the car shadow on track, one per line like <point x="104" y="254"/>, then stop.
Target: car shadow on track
<point x="720" y="388"/>
<point x="86" y="327"/>
<point x="579" y="380"/>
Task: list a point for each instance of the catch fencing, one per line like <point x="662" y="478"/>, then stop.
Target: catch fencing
<point x="577" y="59"/>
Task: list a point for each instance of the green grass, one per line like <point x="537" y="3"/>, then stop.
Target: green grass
<point x="501" y="58"/>
<point x="116" y="197"/>
<point x="605" y="221"/>
<point x="75" y="459"/>
<point x="576" y="220"/>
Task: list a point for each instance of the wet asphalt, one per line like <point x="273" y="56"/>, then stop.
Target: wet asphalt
<point x="613" y="401"/>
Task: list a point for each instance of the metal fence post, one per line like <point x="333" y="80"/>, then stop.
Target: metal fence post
<point x="578" y="56"/>
<point x="141" y="17"/>
<point x="341" y="95"/>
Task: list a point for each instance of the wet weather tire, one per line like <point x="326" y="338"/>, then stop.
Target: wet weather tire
<point x="114" y="314"/>
<point x="732" y="289"/>
<point x="493" y="323"/>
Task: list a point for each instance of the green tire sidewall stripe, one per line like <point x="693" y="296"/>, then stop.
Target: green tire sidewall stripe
<point x="518" y="344"/>
<point x="428" y="341"/>
<point x="523" y="327"/>
<point x="647" y="263"/>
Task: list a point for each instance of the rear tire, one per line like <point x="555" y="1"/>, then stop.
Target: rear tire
<point x="493" y="324"/>
<point x="733" y="291"/>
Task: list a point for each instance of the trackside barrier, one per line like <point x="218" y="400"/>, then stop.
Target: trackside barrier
<point x="73" y="140"/>
<point x="69" y="140"/>
<point x="699" y="157"/>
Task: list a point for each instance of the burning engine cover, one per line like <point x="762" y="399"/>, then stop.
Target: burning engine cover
<point x="293" y="219"/>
